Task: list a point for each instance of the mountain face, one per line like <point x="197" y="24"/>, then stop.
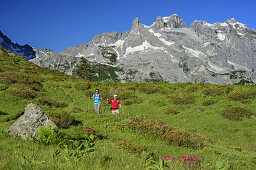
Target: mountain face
<point x="219" y="53"/>
<point x="23" y="50"/>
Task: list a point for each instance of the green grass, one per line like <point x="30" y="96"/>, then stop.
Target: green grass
<point x="155" y="99"/>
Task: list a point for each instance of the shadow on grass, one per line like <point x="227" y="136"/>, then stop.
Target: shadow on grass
<point x="15" y="117"/>
<point x="77" y="122"/>
<point x="3" y="113"/>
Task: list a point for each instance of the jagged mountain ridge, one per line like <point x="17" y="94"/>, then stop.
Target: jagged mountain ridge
<point x="23" y="50"/>
<point x="219" y="53"/>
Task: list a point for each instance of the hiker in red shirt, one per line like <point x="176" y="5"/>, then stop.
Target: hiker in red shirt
<point x="115" y="105"/>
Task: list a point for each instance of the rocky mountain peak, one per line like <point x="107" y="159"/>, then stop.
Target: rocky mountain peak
<point x="159" y="23"/>
<point x="232" y="20"/>
<point x="135" y="23"/>
<point x="174" y="21"/>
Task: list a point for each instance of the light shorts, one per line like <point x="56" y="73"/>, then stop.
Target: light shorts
<point x="114" y="112"/>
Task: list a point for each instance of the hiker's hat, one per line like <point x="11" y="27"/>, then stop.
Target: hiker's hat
<point x="115" y="95"/>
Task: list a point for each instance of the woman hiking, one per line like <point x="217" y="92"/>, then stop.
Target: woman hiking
<point x="115" y="105"/>
<point x="97" y="100"/>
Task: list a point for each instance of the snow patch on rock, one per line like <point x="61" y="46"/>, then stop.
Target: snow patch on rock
<point x="144" y="46"/>
<point x="194" y="53"/>
<point x="221" y="36"/>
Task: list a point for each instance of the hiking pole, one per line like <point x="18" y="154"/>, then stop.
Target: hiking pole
<point x="89" y="103"/>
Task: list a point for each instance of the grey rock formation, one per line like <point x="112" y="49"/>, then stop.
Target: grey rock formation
<point x="135" y="23"/>
<point x="27" y="125"/>
<point x="218" y="53"/>
<point x="159" y="23"/>
<point x="174" y="21"/>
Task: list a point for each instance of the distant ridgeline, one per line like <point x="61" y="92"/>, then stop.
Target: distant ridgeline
<point x="167" y="50"/>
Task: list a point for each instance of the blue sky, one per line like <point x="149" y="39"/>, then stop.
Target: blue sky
<point x="58" y="24"/>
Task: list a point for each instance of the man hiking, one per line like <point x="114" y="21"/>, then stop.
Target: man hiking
<point x="97" y="100"/>
<point x="115" y="105"/>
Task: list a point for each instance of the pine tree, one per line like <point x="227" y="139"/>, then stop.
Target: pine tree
<point x="84" y="70"/>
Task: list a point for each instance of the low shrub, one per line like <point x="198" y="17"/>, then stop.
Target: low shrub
<point x="186" y="161"/>
<point x="213" y="91"/>
<point x="50" y="102"/>
<point x="134" y="149"/>
<point x="62" y="120"/>
<point x="49" y="135"/>
<point x="82" y="86"/>
<point x="132" y="101"/>
<point x="106" y="92"/>
<point x="191" y="88"/>
<point x="8" y="77"/>
<point x="159" y="102"/>
<point x="209" y="102"/>
<point x="168" y="134"/>
<point x="88" y="93"/>
<point x="170" y="111"/>
<point x="151" y="89"/>
<point x="243" y="94"/>
<point x="36" y="87"/>
<point x="77" y="109"/>
<point x="235" y="113"/>
<point x="21" y="91"/>
<point x="126" y="95"/>
<point x="182" y="99"/>
<point x="30" y="79"/>
<point x="82" y="130"/>
<point x="75" y="145"/>
<point x="217" y="91"/>
<point x="3" y="87"/>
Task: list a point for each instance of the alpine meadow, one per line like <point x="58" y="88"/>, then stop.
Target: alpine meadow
<point x="161" y="125"/>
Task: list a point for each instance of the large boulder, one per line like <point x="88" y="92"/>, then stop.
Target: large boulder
<point x="27" y="125"/>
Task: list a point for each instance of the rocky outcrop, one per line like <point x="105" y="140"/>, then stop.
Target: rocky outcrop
<point x="27" y="125"/>
<point x="136" y="23"/>
<point x="159" y="24"/>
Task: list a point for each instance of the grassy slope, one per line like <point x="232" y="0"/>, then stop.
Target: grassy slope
<point x="195" y="118"/>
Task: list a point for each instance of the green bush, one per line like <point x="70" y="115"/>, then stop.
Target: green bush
<point x="62" y="120"/>
<point x="235" y="113"/>
<point x="132" y="101"/>
<point x="77" y="109"/>
<point x="159" y="102"/>
<point x="217" y="91"/>
<point x="209" y="102"/>
<point x="170" y="111"/>
<point x="3" y="87"/>
<point x="213" y="91"/>
<point x="126" y="95"/>
<point x="50" y="102"/>
<point x="243" y="94"/>
<point x="113" y="58"/>
<point x="90" y="92"/>
<point x="21" y="91"/>
<point x="182" y="99"/>
<point x="49" y="135"/>
<point x="191" y="88"/>
<point x="8" y="77"/>
<point x="82" y="86"/>
<point x="151" y="89"/>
